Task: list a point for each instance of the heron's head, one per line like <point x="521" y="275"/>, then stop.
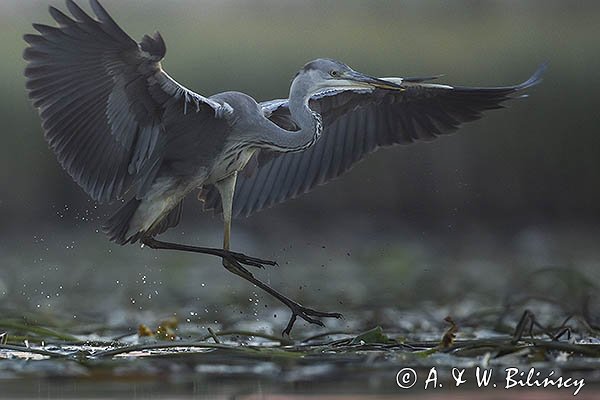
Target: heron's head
<point x="324" y="73"/>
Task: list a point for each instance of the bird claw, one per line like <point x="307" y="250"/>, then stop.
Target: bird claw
<point x="307" y="314"/>
<point x="251" y="261"/>
<point x="235" y="262"/>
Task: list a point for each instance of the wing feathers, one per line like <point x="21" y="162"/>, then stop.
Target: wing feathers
<point x="103" y="99"/>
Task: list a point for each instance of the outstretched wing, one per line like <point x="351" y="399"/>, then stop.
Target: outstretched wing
<point x="103" y="99"/>
<point x="357" y="123"/>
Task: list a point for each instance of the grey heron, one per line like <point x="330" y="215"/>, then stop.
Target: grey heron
<point x="126" y="131"/>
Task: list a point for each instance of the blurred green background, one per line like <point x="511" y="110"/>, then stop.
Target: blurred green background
<point x="516" y="189"/>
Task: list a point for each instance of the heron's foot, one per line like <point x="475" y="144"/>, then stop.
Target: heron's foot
<point x="243" y="259"/>
<point x="307" y="314"/>
<point x="233" y="263"/>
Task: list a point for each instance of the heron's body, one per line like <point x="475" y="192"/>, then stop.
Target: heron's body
<point x="200" y="168"/>
<point x="125" y="130"/>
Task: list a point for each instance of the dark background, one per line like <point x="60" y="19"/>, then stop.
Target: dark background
<point x="513" y="192"/>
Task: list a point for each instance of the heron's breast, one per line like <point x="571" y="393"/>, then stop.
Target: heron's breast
<point x="232" y="160"/>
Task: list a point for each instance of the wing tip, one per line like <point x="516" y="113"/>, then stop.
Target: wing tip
<point x="100" y="11"/>
<point x="78" y="12"/>
<point x="536" y="78"/>
<point x="42" y="28"/>
<point x="59" y="16"/>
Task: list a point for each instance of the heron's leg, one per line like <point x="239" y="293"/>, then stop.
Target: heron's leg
<point x="233" y="263"/>
<point x="239" y="257"/>
<point x="297" y="309"/>
<point x="226" y="188"/>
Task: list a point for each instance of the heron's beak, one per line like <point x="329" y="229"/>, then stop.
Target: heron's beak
<point x="372" y="82"/>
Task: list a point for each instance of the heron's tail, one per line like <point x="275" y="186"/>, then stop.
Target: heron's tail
<point x="117" y="226"/>
<point x="133" y="221"/>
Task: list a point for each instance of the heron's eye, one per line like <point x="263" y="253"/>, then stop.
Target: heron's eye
<point x="334" y="73"/>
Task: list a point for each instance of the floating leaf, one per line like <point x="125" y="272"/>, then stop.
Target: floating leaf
<point x="373" y="336"/>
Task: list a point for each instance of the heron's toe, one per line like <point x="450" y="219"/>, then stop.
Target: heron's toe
<point x="252" y="261"/>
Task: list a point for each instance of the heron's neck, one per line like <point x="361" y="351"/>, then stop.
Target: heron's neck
<point x="307" y="120"/>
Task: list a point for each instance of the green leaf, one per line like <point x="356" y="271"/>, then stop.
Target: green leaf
<point x="372" y="336"/>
